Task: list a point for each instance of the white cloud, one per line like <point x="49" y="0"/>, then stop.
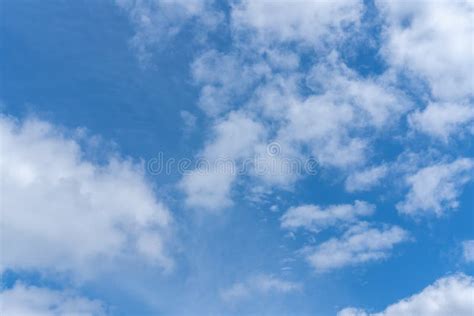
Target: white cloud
<point x="433" y="40"/>
<point x="377" y="103"/>
<point x="317" y="121"/>
<point x="359" y="244"/>
<point x="189" y="121"/>
<point x="366" y="179"/>
<point x="442" y="120"/>
<point x="282" y="59"/>
<point x="330" y="120"/>
<point x="328" y="125"/>
<point x="436" y="188"/>
<point x="22" y="300"/>
<point x="71" y="211"/>
<point x="316" y="218"/>
<point x="208" y="189"/>
<point x="323" y="126"/>
<point x="333" y="122"/>
<point x="468" y="250"/>
<point x="351" y="311"/>
<point x="234" y="139"/>
<point x="261" y="284"/>
<point x="159" y="20"/>
<point x="223" y="78"/>
<point x="296" y="21"/>
<point x="452" y="295"/>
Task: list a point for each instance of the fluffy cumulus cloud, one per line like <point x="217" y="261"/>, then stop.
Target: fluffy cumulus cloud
<point x="433" y="41"/>
<point x="316" y="218"/>
<point x="332" y="119"/>
<point x="452" y="295"/>
<point x="72" y="211"/>
<point x="379" y="103"/>
<point x="258" y="285"/>
<point x="360" y="244"/>
<point x="443" y="120"/>
<point x="21" y="300"/>
<point x="326" y="111"/>
<point x="435" y="189"/>
<point x="331" y="124"/>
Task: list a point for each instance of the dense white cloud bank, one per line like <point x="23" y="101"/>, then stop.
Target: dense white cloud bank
<point x="21" y="300"/>
<point x="435" y="189"/>
<point x="452" y="295"/>
<point x="63" y="212"/>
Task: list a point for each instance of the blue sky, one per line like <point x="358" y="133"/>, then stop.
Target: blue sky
<point x="375" y="96"/>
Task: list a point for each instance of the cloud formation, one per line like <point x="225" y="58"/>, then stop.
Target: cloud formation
<point x="366" y="179"/>
<point x="296" y="21"/>
<point x="316" y="218"/>
<point x="360" y="244"/>
<point x="74" y="212"/>
<point x="435" y="189"/>
<point x="155" y="22"/>
<point x="432" y="40"/>
<point x="261" y="284"/>
<point x="21" y="300"/>
<point x="450" y="295"/>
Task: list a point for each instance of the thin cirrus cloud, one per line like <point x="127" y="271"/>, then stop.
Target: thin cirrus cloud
<point x="468" y="250"/>
<point x="315" y="218"/>
<point x="258" y="285"/>
<point x="156" y="22"/>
